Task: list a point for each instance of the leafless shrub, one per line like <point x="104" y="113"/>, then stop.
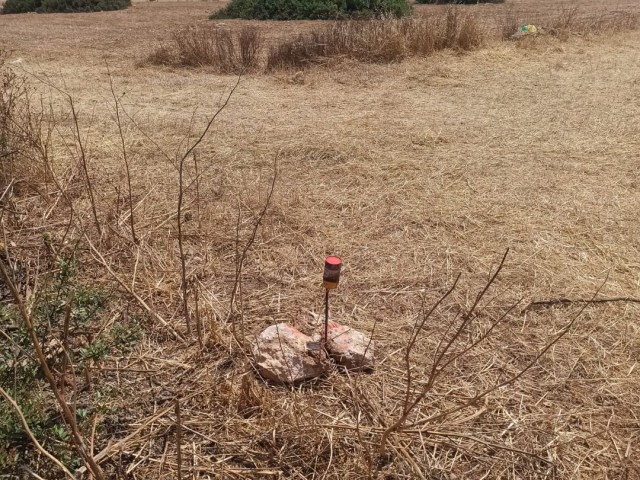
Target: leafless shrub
<point x="574" y="21"/>
<point x="509" y="25"/>
<point x="378" y="41"/>
<point x="12" y="90"/>
<point x="566" y="19"/>
<point x="225" y="50"/>
<point x="250" y="46"/>
<point x="163" y="55"/>
<point x="24" y="136"/>
<point x="451" y="28"/>
<point x="470" y="34"/>
<point x="616" y="21"/>
<point x="298" y="52"/>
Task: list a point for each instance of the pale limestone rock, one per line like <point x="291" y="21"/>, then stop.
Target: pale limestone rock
<point x="286" y="355"/>
<point x="350" y="348"/>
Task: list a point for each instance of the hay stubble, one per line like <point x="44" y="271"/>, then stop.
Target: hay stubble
<point x="411" y="172"/>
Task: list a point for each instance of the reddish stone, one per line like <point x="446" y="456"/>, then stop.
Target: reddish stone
<point x="348" y="347"/>
<point x="286" y="355"/>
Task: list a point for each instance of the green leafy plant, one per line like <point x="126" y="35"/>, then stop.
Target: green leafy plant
<point x="95" y="351"/>
<point x="87" y="302"/>
<point x="68" y="321"/>
<point x="60" y="433"/>
<point x="126" y="336"/>
<point x="13" y="439"/>
<point x="82" y="413"/>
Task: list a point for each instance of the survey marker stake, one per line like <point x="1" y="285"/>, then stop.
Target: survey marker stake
<point x="330" y="281"/>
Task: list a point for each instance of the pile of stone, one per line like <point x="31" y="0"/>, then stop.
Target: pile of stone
<point x="284" y="354"/>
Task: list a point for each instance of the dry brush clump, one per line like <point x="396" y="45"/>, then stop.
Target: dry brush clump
<point x="12" y="93"/>
<point x="382" y="40"/>
<point x="575" y="21"/>
<point x="23" y="134"/>
<point x="376" y="40"/>
<point x="379" y="41"/>
<point x="225" y="50"/>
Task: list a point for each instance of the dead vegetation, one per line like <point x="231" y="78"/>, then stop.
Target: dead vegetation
<point x="227" y="51"/>
<point x="513" y="370"/>
<point x="573" y="21"/>
<point x="372" y="41"/>
<point x="378" y="41"/>
<point x="13" y="136"/>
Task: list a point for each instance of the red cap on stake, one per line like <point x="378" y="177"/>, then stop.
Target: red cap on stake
<point x="331" y="276"/>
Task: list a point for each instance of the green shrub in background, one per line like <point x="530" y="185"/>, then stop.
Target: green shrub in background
<point x="311" y="9"/>
<point x="63" y="6"/>
<point x="459" y="2"/>
<point x="20" y="6"/>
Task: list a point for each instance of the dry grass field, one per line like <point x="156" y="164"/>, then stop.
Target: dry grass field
<point x="413" y="172"/>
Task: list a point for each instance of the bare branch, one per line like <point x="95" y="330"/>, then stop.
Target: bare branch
<point x="199" y="140"/>
<point x="100" y="258"/>
<point x="473" y="400"/>
<point x="568" y="301"/>
<point x="124" y="156"/>
<point x="241" y="257"/>
<point x="83" y="161"/>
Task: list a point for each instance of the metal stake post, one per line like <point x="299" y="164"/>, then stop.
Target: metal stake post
<point x="326" y="316"/>
<point x="330" y="280"/>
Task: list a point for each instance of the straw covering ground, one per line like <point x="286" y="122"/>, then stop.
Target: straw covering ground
<point x="413" y="172"/>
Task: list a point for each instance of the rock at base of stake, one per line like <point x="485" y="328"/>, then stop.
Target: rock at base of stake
<point x="350" y="348"/>
<point x="286" y="355"/>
